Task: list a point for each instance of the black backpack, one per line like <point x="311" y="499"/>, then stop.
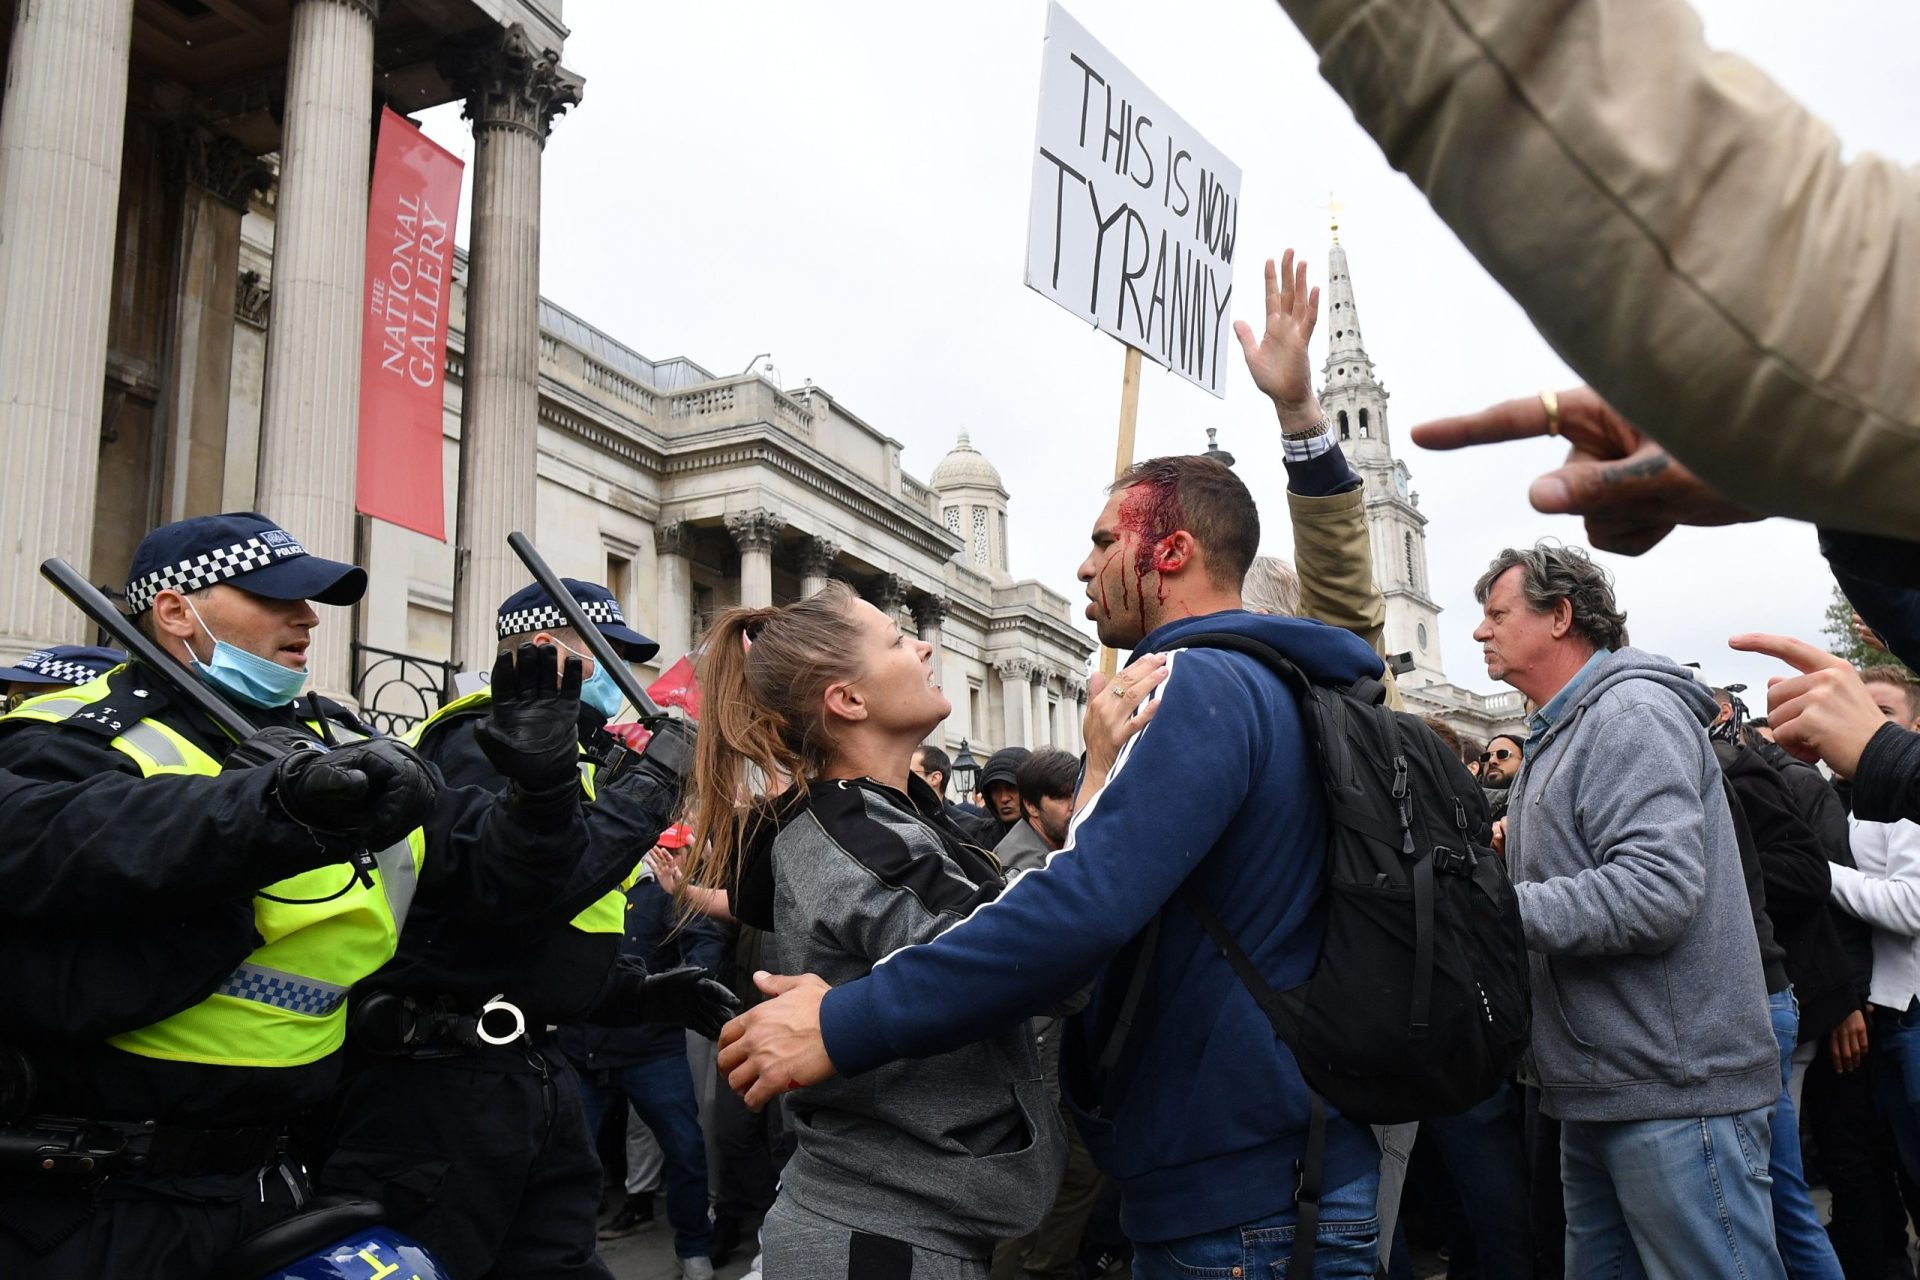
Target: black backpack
<point x="1418" y="1004"/>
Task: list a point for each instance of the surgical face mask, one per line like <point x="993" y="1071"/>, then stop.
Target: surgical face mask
<point x="598" y="690"/>
<point x="257" y="681"/>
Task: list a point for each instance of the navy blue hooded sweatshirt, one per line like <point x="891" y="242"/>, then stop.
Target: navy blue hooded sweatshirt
<point x="1210" y="1114"/>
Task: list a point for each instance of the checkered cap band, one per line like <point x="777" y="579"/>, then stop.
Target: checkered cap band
<point x="547" y="617"/>
<point x="203" y="570"/>
<point x="283" y="991"/>
<point x="62" y="671"/>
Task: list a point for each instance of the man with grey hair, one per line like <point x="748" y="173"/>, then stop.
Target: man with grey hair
<point x="1651" y="1031"/>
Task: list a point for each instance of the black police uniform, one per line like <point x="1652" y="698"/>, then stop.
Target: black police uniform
<point x="516" y="1195"/>
<point x="169" y="866"/>
<point x="129" y="900"/>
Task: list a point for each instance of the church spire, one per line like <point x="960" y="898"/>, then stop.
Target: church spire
<point x="1355" y="400"/>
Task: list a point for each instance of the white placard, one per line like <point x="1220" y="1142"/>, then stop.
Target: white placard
<point x="1134" y="214"/>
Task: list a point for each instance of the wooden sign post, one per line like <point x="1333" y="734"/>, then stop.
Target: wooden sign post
<point x="1123" y="458"/>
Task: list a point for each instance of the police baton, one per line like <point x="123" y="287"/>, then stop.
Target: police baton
<point x="598" y="645"/>
<point x="91" y="601"/>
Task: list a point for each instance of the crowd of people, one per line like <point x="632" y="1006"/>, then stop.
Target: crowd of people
<point x="1050" y="1029"/>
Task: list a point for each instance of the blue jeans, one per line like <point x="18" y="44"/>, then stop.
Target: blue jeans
<point x="661" y="1091"/>
<point x="1669" y="1199"/>
<point x="1346" y="1247"/>
<point x="1894" y="1061"/>
<point x="1804" y="1246"/>
<point x="1485" y="1153"/>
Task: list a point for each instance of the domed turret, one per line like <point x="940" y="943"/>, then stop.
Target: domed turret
<point x="966" y="467"/>
<point x="973" y="505"/>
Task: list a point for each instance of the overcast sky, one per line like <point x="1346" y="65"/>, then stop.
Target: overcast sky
<point x="846" y="185"/>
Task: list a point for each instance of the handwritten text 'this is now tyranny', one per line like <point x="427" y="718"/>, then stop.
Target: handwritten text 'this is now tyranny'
<point x="1185" y="299"/>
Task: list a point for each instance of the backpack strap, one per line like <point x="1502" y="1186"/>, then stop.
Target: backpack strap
<point x="1312" y="1165"/>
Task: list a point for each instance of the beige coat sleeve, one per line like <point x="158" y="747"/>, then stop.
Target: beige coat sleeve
<point x="1685" y="234"/>
<point x="1334" y="558"/>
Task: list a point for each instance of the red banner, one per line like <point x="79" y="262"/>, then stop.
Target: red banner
<point x="676" y="687"/>
<point x="414" y="204"/>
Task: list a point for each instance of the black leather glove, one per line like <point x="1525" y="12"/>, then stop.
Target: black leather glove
<point x="532" y="735"/>
<point x="374" y="791"/>
<point x="683" y="997"/>
<point x="669" y="753"/>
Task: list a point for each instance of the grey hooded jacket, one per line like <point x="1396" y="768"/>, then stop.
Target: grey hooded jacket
<point x="1648" y="996"/>
<point x="953" y="1152"/>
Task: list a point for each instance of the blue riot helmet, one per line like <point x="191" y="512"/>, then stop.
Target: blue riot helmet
<point x="331" y="1239"/>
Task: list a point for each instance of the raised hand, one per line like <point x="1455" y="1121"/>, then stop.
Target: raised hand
<point x="1630" y="489"/>
<point x="1278" y="360"/>
<point x="532" y="730"/>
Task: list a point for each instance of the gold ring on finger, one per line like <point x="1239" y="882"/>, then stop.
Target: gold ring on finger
<point x="1551" y="403"/>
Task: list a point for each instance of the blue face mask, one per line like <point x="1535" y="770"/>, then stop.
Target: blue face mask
<point x="598" y="690"/>
<point x="257" y="681"/>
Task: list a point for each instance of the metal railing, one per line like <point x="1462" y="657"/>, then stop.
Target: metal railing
<point x="396" y="691"/>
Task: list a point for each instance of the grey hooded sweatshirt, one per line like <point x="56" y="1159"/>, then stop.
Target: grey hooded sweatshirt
<point x="1648" y="996"/>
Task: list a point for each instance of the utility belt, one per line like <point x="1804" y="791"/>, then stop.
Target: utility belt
<point x="390" y="1024"/>
<point x="66" y="1149"/>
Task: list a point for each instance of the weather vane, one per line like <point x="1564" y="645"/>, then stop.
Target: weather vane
<point x="1334" y="209"/>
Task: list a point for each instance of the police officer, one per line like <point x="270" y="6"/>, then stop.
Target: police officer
<point x="61" y="667"/>
<point x="463" y="1023"/>
<point x="178" y="994"/>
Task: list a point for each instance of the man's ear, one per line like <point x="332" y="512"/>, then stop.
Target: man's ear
<point x="1176" y="552"/>
<point x="845" y="702"/>
<point x="1562" y="618"/>
<point x="172" y="617"/>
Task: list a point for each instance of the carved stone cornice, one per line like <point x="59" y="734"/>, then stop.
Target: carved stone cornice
<point x="817" y="556"/>
<point x="219" y="165"/>
<point x="675" y="539"/>
<point x="754" y="530"/>
<point x="931" y="611"/>
<point x="508" y="82"/>
<point x="252" y="299"/>
<point x="888" y="591"/>
<point x="368" y="9"/>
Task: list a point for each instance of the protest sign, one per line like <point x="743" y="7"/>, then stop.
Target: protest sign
<point x="1134" y="215"/>
<point x="411" y="210"/>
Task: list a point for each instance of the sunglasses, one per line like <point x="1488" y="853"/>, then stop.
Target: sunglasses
<point x="1503" y="753"/>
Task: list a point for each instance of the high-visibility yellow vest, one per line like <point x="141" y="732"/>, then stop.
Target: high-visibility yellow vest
<point x="607" y="913"/>
<point x="286" y="1004"/>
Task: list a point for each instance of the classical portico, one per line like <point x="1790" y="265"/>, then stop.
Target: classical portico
<point x="136" y="136"/>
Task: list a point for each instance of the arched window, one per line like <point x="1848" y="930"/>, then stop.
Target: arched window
<point x="1365" y="425"/>
<point x="1343" y="424"/>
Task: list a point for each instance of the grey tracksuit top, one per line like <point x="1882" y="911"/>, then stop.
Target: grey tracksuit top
<point x="952" y="1152"/>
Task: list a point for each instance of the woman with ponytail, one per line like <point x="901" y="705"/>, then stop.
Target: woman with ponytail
<point x="919" y="1167"/>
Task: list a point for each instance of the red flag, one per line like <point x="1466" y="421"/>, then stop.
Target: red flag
<point x="411" y="211"/>
<point x="677" y="687"/>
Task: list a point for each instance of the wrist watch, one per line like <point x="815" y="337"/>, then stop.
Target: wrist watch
<point x="1317" y="429"/>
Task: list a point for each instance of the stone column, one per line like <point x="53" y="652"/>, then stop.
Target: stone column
<point x="753" y="532"/>
<point x="221" y="177"/>
<point x="816" y="564"/>
<point x="673" y="570"/>
<point x="62" y="130"/>
<point x="1075" y="710"/>
<point x="888" y="592"/>
<point x="1042" y="726"/>
<point x="929" y="614"/>
<point x="311" y="401"/>
<point x="1015" y="703"/>
<point x="513" y="92"/>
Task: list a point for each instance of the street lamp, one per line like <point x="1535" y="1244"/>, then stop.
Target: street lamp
<point x="965" y="770"/>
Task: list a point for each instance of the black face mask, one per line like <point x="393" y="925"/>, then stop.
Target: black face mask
<point x="1728" y="730"/>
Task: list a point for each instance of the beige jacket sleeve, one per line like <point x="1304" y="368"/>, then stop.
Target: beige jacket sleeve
<point x="1333" y="555"/>
<point x="1684" y="232"/>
